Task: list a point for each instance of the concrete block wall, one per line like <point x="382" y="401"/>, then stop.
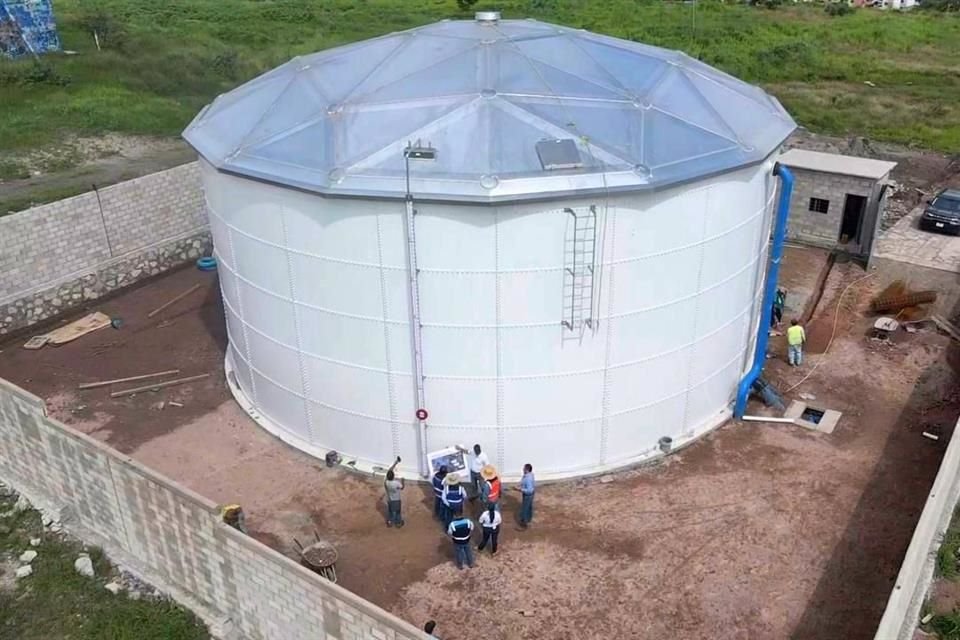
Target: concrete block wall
<point x="822" y="229"/>
<point x="174" y="538"/>
<point x="68" y="252"/>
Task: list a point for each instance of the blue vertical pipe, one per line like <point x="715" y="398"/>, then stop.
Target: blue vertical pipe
<point x="766" y="310"/>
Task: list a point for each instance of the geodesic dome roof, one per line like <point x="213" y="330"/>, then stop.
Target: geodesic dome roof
<point x="491" y="110"/>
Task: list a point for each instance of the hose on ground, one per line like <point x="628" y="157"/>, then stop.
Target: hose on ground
<point x="836" y="319"/>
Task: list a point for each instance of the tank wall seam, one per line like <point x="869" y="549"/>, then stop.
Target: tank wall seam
<point x="531" y="270"/>
<point x="304" y="378"/>
<point x="243" y="322"/>
<point x="692" y="354"/>
<point x="498" y="315"/>
<point x="515" y="325"/>
<point x="391" y="382"/>
<point x="608" y="347"/>
<point x="536" y="376"/>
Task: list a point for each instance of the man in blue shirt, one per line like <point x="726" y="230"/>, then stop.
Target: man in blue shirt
<point x="438" y="506"/>
<point x="528" y="486"/>
<point x="453" y="497"/>
<point x="460" y="531"/>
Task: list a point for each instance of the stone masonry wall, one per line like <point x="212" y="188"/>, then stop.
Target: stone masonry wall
<point x="823" y="229"/>
<point x="174" y="538"/>
<point x="63" y="254"/>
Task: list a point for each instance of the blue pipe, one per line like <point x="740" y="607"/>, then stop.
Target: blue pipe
<point x="776" y="255"/>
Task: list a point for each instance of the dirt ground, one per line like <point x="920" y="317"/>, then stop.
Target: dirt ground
<point x="756" y="531"/>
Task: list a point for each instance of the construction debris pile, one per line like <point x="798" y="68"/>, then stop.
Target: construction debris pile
<point x="912" y="310"/>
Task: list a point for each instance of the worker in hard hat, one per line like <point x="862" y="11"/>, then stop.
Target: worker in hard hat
<point x="460" y="531"/>
<point x="232" y="514"/>
<point x="453" y="498"/>
<point x="489" y="487"/>
<point x="490" y="521"/>
<point x="796" y="337"/>
<point x="438" y="485"/>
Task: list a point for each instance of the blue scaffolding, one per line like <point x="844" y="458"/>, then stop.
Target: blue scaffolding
<point x="27" y="27"/>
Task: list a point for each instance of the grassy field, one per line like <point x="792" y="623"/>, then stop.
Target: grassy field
<point x="162" y="61"/>
<point x="57" y="603"/>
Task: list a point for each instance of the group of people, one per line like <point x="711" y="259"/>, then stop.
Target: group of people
<point x="796" y="336"/>
<point x="451" y="498"/>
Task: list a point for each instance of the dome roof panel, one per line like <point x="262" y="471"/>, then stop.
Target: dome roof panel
<point x="669" y="140"/>
<point x="451" y="76"/>
<point x="485" y="94"/>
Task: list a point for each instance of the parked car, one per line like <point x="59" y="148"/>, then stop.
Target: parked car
<point x="942" y="214"/>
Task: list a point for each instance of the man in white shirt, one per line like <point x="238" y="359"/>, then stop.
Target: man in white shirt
<point x="477" y="462"/>
<point x="490" y="521"/>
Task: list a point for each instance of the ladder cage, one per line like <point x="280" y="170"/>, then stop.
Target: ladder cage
<point x="580" y="257"/>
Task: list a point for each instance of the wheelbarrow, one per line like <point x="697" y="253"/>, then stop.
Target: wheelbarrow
<point x="320" y="557"/>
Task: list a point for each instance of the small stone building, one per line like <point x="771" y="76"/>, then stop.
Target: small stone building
<point x="837" y="200"/>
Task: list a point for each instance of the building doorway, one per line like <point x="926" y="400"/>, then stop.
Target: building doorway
<point x="853" y="209"/>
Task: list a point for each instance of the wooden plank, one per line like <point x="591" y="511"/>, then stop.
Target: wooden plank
<point x="36" y="342"/>
<point x="947" y="326"/>
<point x="174" y="300"/>
<point x="78" y="328"/>
<point x="146" y="376"/>
<point x="159" y="385"/>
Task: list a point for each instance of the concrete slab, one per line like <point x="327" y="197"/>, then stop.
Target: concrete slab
<point x="906" y="243"/>
<point x="828" y="422"/>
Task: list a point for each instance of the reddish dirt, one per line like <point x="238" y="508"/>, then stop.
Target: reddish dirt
<point x="190" y="336"/>
<point x="802" y="271"/>
<point x="756" y="531"/>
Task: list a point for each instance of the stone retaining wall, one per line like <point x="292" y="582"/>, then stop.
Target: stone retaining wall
<point x="174" y="538"/>
<point x="69" y="252"/>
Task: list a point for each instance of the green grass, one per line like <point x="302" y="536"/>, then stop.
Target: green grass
<point x="947" y="556"/>
<point x="13" y="170"/>
<point x="56" y="603"/>
<point x="164" y="60"/>
<point x="947" y="627"/>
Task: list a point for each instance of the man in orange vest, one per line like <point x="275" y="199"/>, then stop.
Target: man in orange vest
<point x="490" y="487"/>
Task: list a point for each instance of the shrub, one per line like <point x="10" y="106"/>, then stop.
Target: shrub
<point x="227" y="64"/>
<point x="941" y="5"/>
<point x="35" y="72"/>
<point x="838" y="8"/>
<point x="109" y="32"/>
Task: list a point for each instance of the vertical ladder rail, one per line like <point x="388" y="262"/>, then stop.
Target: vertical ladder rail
<point x="416" y="327"/>
<point x="570" y="324"/>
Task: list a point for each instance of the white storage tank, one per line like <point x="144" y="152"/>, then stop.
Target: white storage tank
<point x="550" y="241"/>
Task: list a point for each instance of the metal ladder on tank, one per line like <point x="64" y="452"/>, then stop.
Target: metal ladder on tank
<point x="580" y="261"/>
